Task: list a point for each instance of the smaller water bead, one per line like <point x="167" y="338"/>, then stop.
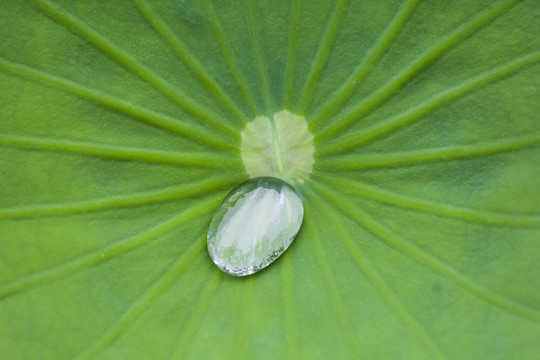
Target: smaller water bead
<point x="254" y="225"/>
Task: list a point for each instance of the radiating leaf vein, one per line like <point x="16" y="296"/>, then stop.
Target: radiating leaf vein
<point x="289" y="307"/>
<point x="291" y="54"/>
<point x="462" y="32"/>
<point x="430" y="207"/>
<point x="355" y="79"/>
<point x="384" y="127"/>
<point x="195" y="321"/>
<point x="254" y="33"/>
<point x="143" y="302"/>
<point x="227" y="51"/>
<point x="180" y="49"/>
<point x="86" y="32"/>
<point x="339" y="307"/>
<point x="375" y="278"/>
<point x="193" y="132"/>
<point x="93" y="258"/>
<point x="410" y="158"/>
<point x="246" y="315"/>
<point x="119" y="201"/>
<point x="204" y="160"/>
<point x="323" y="53"/>
<point x="424" y="258"/>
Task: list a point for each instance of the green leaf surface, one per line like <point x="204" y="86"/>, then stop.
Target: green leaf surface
<point x="120" y="127"/>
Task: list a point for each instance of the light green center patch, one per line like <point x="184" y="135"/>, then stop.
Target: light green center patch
<point x="280" y="146"/>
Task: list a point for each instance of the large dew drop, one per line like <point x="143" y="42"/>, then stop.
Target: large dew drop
<point x="254" y="225"/>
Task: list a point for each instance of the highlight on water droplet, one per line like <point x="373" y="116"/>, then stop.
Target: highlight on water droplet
<point x="254" y="225"/>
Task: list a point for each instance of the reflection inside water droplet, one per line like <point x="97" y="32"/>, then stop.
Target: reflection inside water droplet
<point x="254" y="225"/>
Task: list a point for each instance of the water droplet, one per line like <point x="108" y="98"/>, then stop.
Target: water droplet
<point x="254" y="225"/>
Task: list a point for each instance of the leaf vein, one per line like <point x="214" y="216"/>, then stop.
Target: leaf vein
<point x="129" y="200"/>
<point x="143" y="302"/>
<point x="86" y="32"/>
<point x="204" y="160"/>
<point x="226" y="50"/>
<point x="462" y="32"/>
<point x="70" y="267"/>
<point x="416" y="157"/>
<point x="291" y="54"/>
<point x="377" y="50"/>
<point x="289" y="307"/>
<point x="253" y="30"/>
<point x="378" y="282"/>
<point x="136" y="112"/>
<point x="430" y="207"/>
<point x="323" y="53"/>
<point x="398" y="121"/>
<point x="422" y="257"/>
<point x="184" y="54"/>
<point x="195" y="321"/>
<point x="339" y="306"/>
